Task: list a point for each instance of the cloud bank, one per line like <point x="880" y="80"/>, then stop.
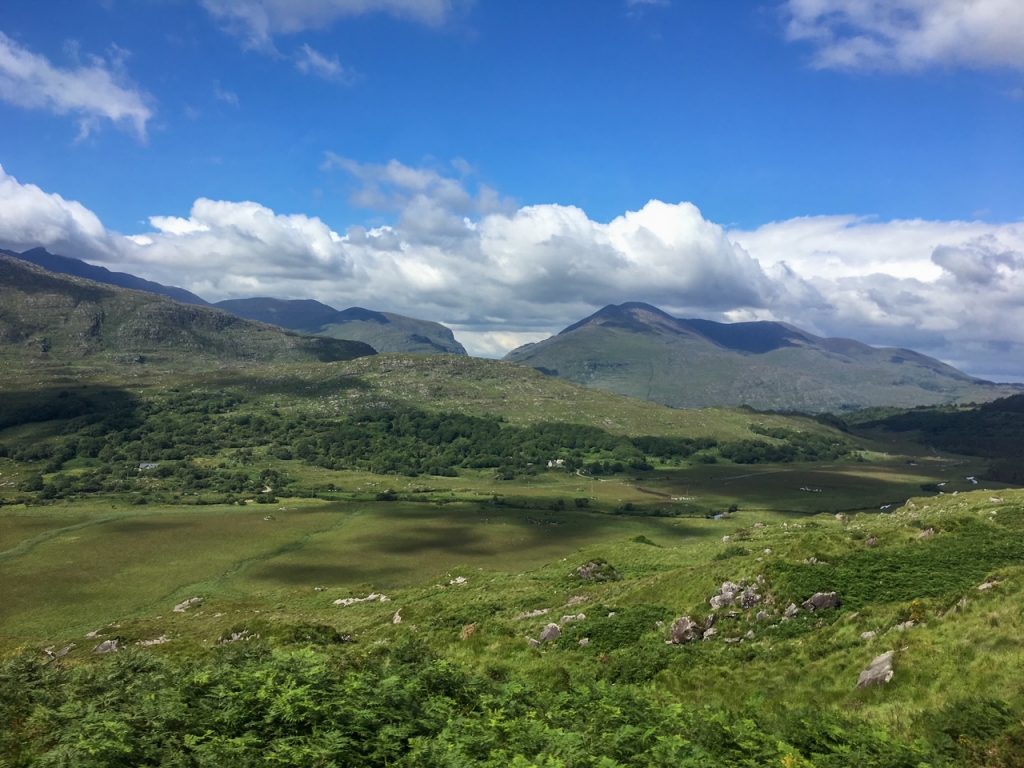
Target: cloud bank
<point x="91" y="92"/>
<point x="909" y="34"/>
<point x="502" y="274"/>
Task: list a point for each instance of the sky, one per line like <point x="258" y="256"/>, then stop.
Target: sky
<point x="853" y="167"/>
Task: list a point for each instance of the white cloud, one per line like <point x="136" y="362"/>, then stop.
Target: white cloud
<point x="92" y="92"/>
<point x="259" y="21"/>
<point x="224" y="95"/>
<point x="310" y="61"/>
<point x="910" y="34"/>
<point x="505" y="276"/>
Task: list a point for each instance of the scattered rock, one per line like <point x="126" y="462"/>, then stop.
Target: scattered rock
<point x="576" y="600"/>
<point x="869" y="635"/>
<point x="533" y="643"/>
<point x="730" y="640"/>
<point x="373" y="597"/>
<point x="685" y="630"/>
<point x="583" y="641"/>
<point x="879" y="673"/>
<point x="397" y="618"/>
<point x="709" y="634"/>
<point x="93" y="635"/>
<point x="108" y="646"/>
<point x="762" y="616"/>
<point x="550" y="633"/>
<point x="532" y="614"/>
<point x="871" y="541"/>
<point x="904" y="626"/>
<point x="235" y="637"/>
<point x="155" y="641"/>
<point x="759" y="525"/>
<point x="821" y="601"/>
<point x="749" y="598"/>
<point x="749" y="635"/>
<point x="468" y="631"/>
<point x="597" y="570"/>
<point x="457" y="581"/>
<point x="54" y="655"/>
<point x="985" y="587"/>
<point x="192" y="602"/>
<point x="791" y="611"/>
<point x="573" y="617"/>
<point x="927" y="533"/>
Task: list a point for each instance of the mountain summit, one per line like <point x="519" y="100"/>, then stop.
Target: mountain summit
<point x="639" y="350"/>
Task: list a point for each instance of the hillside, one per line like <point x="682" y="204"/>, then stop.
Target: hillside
<point x="638" y="350"/>
<point x="50" y="317"/>
<point x="68" y="266"/>
<point x="384" y="331"/>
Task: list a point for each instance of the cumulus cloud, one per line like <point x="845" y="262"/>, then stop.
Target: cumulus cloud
<point x="505" y="275"/>
<point x="259" y="21"/>
<point x="92" y="92"/>
<point x="909" y="34"/>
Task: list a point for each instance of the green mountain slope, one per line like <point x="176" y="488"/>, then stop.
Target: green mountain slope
<point x="384" y="331"/>
<point x="69" y="266"/>
<point x="45" y="316"/>
<point x="638" y="350"/>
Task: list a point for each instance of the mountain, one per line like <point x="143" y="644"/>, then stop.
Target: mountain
<point x="58" y="317"/>
<point x="639" y="350"/>
<point x="384" y="331"/>
<point x="68" y="266"/>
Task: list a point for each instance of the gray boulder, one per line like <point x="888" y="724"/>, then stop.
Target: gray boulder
<point x="821" y="601"/>
<point x="879" y="673"/>
<point x="108" y="646"/>
<point x="550" y="633"/>
<point x="685" y="630"/>
<point x="192" y="602"/>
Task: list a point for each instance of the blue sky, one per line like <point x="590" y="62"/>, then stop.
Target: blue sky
<point x="816" y="159"/>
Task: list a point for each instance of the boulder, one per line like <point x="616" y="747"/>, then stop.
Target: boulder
<point x="879" y="673"/>
<point x="192" y="602"/>
<point x="749" y="598"/>
<point x="869" y="635"/>
<point x="821" y="601"/>
<point x="791" y="611"/>
<point x="107" y="646"/>
<point x="685" y="630"/>
<point x="597" y="570"/>
<point x="550" y="633"/>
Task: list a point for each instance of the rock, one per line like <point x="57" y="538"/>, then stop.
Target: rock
<point x="730" y="640"/>
<point x="985" y="587"/>
<point x="468" y="631"/>
<point x="749" y="598"/>
<point x="749" y="635"/>
<point x="871" y="541"/>
<point x="791" y="611"/>
<point x="573" y="617"/>
<point x="532" y="614"/>
<point x="869" y="635"/>
<point x="758" y="525"/>
<point x="107" y="646"/>
<point x="192" y="602"/>
<point x="93" y="635"/>
<point x="584" y="641"/>
<point x="550" y="633"/>
<point x="710" y="621"/>
<point x="373" y="597"/>
<point x="235" y="637"/>
<point x="457" y="581"/>
<point x="927" y="533"/>
<point x="905" y="626"/>
<point x="597" y="570"/>
<point x="879" y="673"/>
<point x="762" y="616"/>
<point x="710" y="634"/>
<point x="720" y="601"/>
<point x="397" y="618"/>
<point x="533" y="643"/>
<point x="576" y="600"/>
<point x="685" y="630"/>
<point x="155" y="641"/>
<point x="54" y="655"/>
<point x="821" y="601"/>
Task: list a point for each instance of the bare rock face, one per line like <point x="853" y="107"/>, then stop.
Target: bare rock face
<point x="821" y="601"/>
<point x="879" y="673"/>
<point x="192" y="602"/>
<point x="550" y="633"/>
<point x="685" y="630"/>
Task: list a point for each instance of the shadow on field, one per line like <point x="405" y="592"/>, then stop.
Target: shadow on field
<point x="407" y="540"/>
<point x="92" y="403"/>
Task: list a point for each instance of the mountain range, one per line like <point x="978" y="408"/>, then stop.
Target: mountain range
<point x="384" y="331"/>
<point x="638" y="350"/>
